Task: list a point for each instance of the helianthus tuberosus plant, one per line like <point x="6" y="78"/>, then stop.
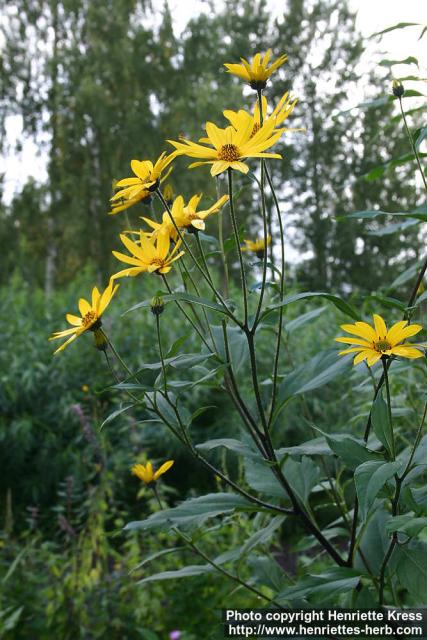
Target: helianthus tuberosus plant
<point x="353" y="494"/>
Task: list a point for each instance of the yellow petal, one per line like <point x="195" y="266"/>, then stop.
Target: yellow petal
<point x="165" y="467"/>
<point x="380" y="326"/>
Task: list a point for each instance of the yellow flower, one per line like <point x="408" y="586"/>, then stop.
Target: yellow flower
<point x="257" y="72"/>
<point x="150" y="255"/>
<point x="146" y="472"/>
<point x="121" y="204"/>
<point x="185" y="216"/>
<point x="90" y="315"/>
<point x="231" y="145"/>
<point x="280" y="113"/>
<point x="147" y="179"/>
<point x="376" y="342"/>
<point x="257" y="246"/>
<point x="85" y="388"/>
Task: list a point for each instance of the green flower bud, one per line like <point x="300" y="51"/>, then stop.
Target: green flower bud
<point x="157" y="305"/>
<point x="398" y="88"/>
<point x="100" y="340"/>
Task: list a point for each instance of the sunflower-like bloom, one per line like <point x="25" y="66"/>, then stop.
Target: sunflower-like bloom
<point x="147" y="178"/>
<point x="149" y="255"/>
<point x="280" y="113"/>
<point x="376" y="342"/>
<point x="90" y="317"/>
<point x="146" y="472"/>
<point x="257" y="72"/>
<point x="185" y="216"/>
<point x="231" y="145"/>
<point x="121" y="203"/>
<point x="257" y="246"/>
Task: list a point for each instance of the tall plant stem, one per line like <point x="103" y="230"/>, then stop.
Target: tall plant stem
<point x="390" y="419"/>
<point x="203" y="257"/>
<point x="239" y="250"/>
<point x="411" y="140"/>
<point x="162" y="360"/>
<point x="221" y="241"/>
<point x="281" y="296"/>
<point x="395" y="504"/>
<point x="264" y="226"/>
<point x="251" y="424"/>
<point x="196" y="262"/>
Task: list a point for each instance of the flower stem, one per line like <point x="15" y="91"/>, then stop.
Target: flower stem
<point x="281" y="296"/>
<point x="264" y="226"/>
<point x="411" y="140"/>
<point x="239" y="250"/>
<point x="221" y="242"/>
<point x="193" y="257"/>
<point x="390" y="419"/>
<point x="159" y="341"/>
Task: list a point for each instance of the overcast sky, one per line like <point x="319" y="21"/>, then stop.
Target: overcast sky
<point x="372" y="16"/>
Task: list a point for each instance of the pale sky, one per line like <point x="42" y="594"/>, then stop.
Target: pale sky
<point x="372" y="16"/>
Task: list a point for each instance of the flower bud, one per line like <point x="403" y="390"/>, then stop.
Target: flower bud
<point x="157" y="305"/>
<point x="168" y="194"/>
<point x="100" y="340"/>
<point x="398" y="88"/>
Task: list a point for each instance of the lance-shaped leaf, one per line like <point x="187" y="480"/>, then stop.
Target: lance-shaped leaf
<point x="193" y="512"/>
<point x="370" y="478"/>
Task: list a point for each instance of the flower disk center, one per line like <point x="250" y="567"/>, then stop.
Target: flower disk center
<point x="229" y="153"/>
<point x="89" y="318"/>
<point x="158" y="262"/>
<point x="382" y="345"/>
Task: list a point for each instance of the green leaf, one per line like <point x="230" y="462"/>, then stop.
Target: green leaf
<point x="389" y="302"/>
<point x="410" y="563"/>
<point x="184" y="297"/>
<point x="419" y="214"/>
<point x="266" y="571"/>
<point x="228" y="443"/>
<point x="302" y="476"/>
<point x="420" y="299"/>
<point x="408" y="274"/>
<point x="204" y="302"/>
<point x="315" y="447"/>
<point x="379" y="170"/>
<point x="259" y="476"/>
<point x="391" y="63"/>
<point x="301" y="320"/>
<point x="185" y="572"/>
<point x="237" y="344"/>
<point x="374" y="542"/>
<point x="399" y="25"/>
<point x="397" y="227"/>
<point x="421" y="134"/>
<point x="326" y="587"/>
<point x="116" y="413"/>
<point x="381" y="423"/>
<point x="324" y="367"/>
<point x="407" y="524"/>
<point x="193" y="512"/>
<point x="188" y="360"/>
<point x="154" y="556"/>
<point x="370" y="478"/>
<point x="262" y="536"/>
<point x="352" y="451"/>
<point x="336" y="300"/>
